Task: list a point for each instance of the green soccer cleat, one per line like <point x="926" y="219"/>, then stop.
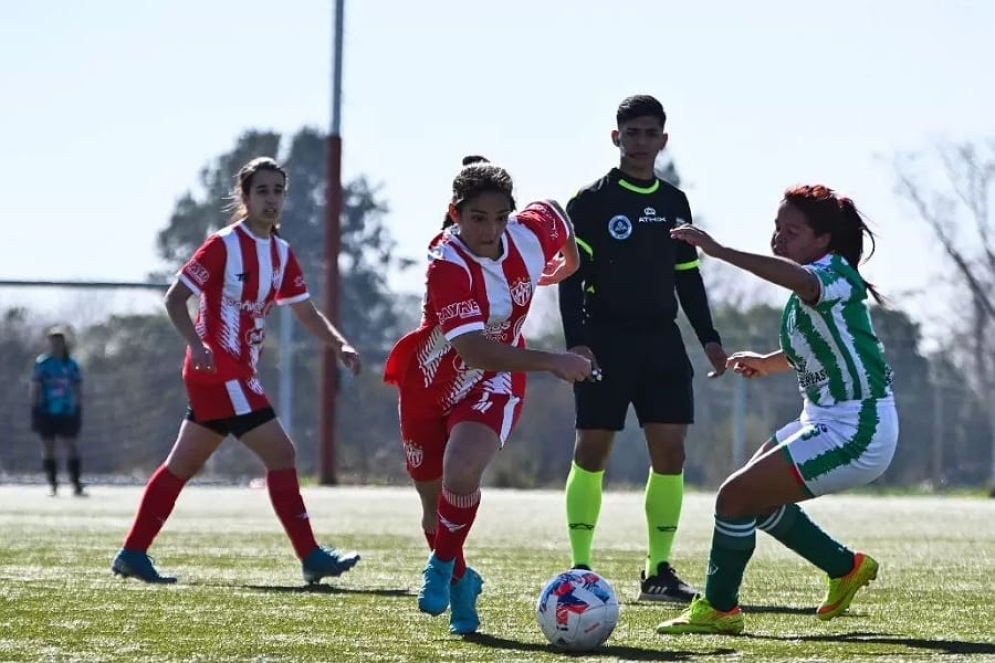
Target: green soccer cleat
<point x="701" y="617"/>
<point x="841" y="591"/>
<point x="463" y="596"/>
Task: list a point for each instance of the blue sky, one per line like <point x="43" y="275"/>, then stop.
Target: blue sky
<point x="111" y="108"/>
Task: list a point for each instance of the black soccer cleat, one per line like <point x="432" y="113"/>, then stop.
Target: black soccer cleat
<point x="665" y="586"/>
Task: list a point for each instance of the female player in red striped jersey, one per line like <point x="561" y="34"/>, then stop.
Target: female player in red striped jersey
<point x="461" y="374"/>
<point x="237" y="275"/>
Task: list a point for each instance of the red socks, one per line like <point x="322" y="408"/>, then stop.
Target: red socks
<point x="285" y="494"/>
<point x="456" y="516"/>
<point x="157" y="503"/>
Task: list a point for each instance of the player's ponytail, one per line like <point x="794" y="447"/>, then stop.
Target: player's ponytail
<point x="848" y="241"/>
<point x="478" y="176"/>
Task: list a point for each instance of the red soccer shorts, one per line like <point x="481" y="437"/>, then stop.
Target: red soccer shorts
<point x="221" y="400"/>
<point x="495" y="403"/>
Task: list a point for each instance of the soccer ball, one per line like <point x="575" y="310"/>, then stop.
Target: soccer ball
<point x="577" y="610"/>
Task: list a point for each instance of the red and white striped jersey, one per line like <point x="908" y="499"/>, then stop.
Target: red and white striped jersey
<point x="238" y="276"/>
<point x="467" y="293"/>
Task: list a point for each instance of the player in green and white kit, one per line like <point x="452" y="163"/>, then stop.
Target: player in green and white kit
<point x="848" y="428"/>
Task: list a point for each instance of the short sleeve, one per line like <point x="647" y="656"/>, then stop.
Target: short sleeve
<point x="450" y="296"/>
<point x="38" y="372"/>
<point x="293" y="287"/>
<point x="685" y="256"/>
<point x="550" y="224"/>
<point x="834" y="287"/>
<point x="206" y="264"/>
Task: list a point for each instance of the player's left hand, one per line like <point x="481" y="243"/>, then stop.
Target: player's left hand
<point x="349" y="357"/>
<point x="717" y="358"/>
<point x="555" y="271"/>
<point x="696" y="237"/>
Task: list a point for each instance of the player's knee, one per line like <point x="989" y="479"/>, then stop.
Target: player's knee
<point x="591" y="460"/>
<point x="733" y="501"/>
<point x="462" y="480"/>
<point x="282" y="456"/>
<point x="668" y="459"/>
<point x="592" y="449"/>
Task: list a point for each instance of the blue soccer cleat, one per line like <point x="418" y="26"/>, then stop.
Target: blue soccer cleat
<point x="327" y="563"/>
<point x="138" y="564"/>
<point x="463" y="595"/>
<point x="433" y="597"/>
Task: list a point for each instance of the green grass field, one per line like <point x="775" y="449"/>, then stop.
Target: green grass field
<point x="241" y="596"/>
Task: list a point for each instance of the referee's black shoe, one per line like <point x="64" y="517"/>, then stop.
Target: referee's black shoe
<point x="665" y="586"/>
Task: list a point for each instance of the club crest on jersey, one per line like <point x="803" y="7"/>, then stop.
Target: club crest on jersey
<point x="413" y="453"/>
<point x="521" y="291"/>
<point x="620" y="227"/>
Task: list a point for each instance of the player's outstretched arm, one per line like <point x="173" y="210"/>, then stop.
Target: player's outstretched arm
<point x="478" y="351"/>
<point x="779" y="271"/>
<point x="322" y="328"/>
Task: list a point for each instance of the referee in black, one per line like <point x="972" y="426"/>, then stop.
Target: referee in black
<point x="619" y="310"/>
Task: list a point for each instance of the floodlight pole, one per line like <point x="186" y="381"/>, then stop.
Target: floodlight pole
<point x="333" y="221"/>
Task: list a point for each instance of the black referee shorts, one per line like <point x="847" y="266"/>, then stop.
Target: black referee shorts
<point x="650" y="371"/>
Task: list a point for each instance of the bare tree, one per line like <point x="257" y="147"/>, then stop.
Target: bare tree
<point x="957" y="207"/>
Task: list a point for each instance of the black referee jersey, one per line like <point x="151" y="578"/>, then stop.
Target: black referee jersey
<point x="630" y="267"/>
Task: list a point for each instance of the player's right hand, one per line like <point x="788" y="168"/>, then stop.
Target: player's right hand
<point x="349" y="357"/>
<point x="748" y="364"/>
<point x="202" y="358"/>
<point x="571" y="367"/>
<point x="586" y="352"/>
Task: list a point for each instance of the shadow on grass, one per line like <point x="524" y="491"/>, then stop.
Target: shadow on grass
<point x="617" y="652"/>
<point x="777" y="610"/>
<point x="951" y="647"/>
<point x="326" y="589"/>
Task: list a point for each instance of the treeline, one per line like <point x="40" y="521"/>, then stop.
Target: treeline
<point x="135" y="399"/>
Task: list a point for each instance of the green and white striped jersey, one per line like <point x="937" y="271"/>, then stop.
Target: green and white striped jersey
<point x="832" y="345"/>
